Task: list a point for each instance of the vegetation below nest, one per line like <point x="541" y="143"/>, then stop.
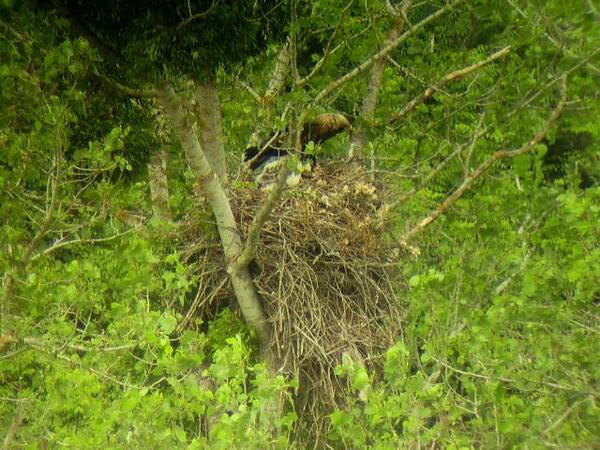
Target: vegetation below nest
<point x="327" y="277"/>
<point x="153" y="296"/>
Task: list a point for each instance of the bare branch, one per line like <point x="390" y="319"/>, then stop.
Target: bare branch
<point x="198" y="15"/>
<point x="293" y="39"/>
<point x="334" y="85"/>
<point x="35" y="342"/>
<point x="53" y="184"/>
<point x="506" y="283"/>
<point x="550" y="38"/>
<point x="279" y="74"/>
<point x="328" y="50"/>
<point x="510" y="380"/>
<point x="54" y="353"/>
<point x="359" y="136"/>
<point x="471" y="147"/>
<point x="551" y="83"/>
<point x="385" y="209"/>
<point x="261" y="217"/>
<point x="276" y="85"/>
<point x="255" y="95"/>
<point x="564" y="415"/>
<point x="58" y="245"/>
<point x="132" y="92"/>
<point x="452" y="76"/>
<point x="14" y="426"/>
<point x="485" y="166"/>
<point x="259" y="154"/>
<point x="197" y="301"/>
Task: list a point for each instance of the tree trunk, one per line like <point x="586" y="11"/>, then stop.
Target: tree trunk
<point x="367" y="111"/>
<point x="228" y="231"/>
<point x="208" y="112"/>
<point x="159" y="189"/>
<point x="277" y="83"/>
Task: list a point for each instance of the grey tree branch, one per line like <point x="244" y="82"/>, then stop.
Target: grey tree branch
<point x="253" y="235"/>
<point x="279" y="74"/>
<point x="159" y="187"/>
<point x="328" y="50"/>
<point x="14" y="426"/>
<point x="471" y="147"/>
<point x="197" y="16"/>
<point x="35" y="342"/>
<point x="208" y="114"/>
<point x="132" y="92"/>
<point x="276" y="84"/>
<point x="386" y="208"/>
<point x="197" y="301"/>
<point x="359" y="136"/>
<point x="63" y="244"/>
<point x="228" y="231"/>
<point x="510" y="380"/>
<point x="293" y="40"/>
<point x="54" y="353"/>
<point x="557" y="79"/>
<point x="334" y="85"/>
<point x="255" y="95"/>
<point x="485" y="166"/>
<point x="452" y="76"/>
<point x="554" y="42"/>
<point x="13" y="273"/>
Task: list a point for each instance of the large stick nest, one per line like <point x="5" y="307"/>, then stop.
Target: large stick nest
<point x="326" y="281"/>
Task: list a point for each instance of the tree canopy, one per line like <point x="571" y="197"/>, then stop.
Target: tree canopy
<point x="433" y="281"/>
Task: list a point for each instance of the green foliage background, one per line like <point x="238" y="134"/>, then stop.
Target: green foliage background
<point x="499" y="348"/>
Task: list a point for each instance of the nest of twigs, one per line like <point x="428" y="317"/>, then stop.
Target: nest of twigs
<point x="326" y="280"/>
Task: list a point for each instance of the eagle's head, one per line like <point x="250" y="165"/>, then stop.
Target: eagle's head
<point x="325" y="126"/>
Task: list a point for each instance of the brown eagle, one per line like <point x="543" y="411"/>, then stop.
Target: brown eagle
<point x="318" y="130"/>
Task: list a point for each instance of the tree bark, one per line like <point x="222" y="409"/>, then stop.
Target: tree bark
<point x="279" y="74"/>
<point x="277" y="82"/>
<point x="159" y="189"/>
<point x="208" y="112"/>
<point x="359" y="135"/>
<point x="228" y="231"/>
<point x="14" y="427"/>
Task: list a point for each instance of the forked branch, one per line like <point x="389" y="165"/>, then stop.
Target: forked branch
<point x="334" y="85"/>
<point x="215" y="193"/>
<point x="486" y="165"/>
<point x="253" y="236"/>
<point x="386" y="208"/>
<point x="452" y="76"/>
<point x="359" y="137"/>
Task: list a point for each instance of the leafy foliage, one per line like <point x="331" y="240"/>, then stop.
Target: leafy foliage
<point x="498" y="346"/>
<point x="181" y="36"/>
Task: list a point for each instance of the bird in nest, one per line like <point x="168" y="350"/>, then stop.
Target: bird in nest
<point x="266" y="159"/>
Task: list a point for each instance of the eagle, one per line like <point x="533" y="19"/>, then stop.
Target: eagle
<point x="266" y="156"/>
